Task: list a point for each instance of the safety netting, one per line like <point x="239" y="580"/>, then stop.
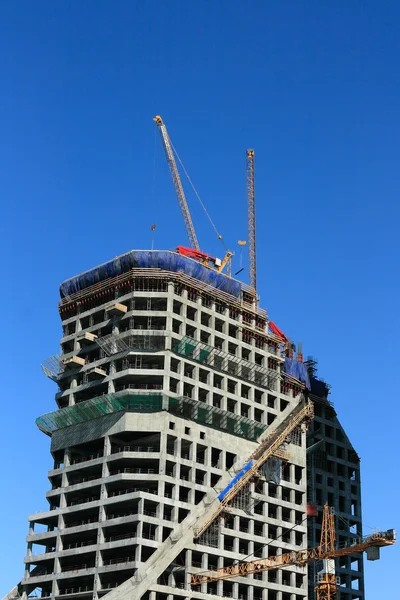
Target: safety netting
<point x="184" y="407"/>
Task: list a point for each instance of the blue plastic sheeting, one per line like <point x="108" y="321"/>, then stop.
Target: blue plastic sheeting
<point x="150" y="259"/>
<point x="297" y="369"/>
<point x="235" y="479"/>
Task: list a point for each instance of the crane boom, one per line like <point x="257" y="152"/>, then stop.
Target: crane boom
<point x="251" y="217"/>
<point x="325" y="550"/>
<point x="176" y="180"/>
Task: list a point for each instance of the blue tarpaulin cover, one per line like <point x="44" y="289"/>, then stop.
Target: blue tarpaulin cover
<point x="297" y="369"/>
<point x="235" y="479"/>
<point x="150" y="259"/>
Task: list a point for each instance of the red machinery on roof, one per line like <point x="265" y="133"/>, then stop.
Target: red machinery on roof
<point x="275" y="329"/>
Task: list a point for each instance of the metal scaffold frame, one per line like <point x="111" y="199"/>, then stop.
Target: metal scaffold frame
<point x="228" y="363"/>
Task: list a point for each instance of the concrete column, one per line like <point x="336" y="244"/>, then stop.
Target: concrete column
<point x="158" y="533"/>
<point x="78" y="320"/>
<point x="100" y="539"/>
<point x="251" y="547"/>
<point x="55" y="589"/>
<point x="107" y="446"/>
<point x="63" y="500"/>
<point x="220" y="583"/>
<point x="174" y="514"/>
<point x="251" y="527"/>
<point x="71" y="397"/>
<point x="293" y="584"/>
<point x="250" y="591"/>
<point x="207" y="457"/>
<point x="139" y="530"/>
<point x="102" y="513"/>
<point x="96" y="585"/>
<point x="57" y="566"/>
<point x="29" y="549"/>
<point x="167" y="371"/>
<point x="188" y="564"/>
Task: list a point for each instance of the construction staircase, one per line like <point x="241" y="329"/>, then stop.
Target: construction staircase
<point x="204" y="514"/>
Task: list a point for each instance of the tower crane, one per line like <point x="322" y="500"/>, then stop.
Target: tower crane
<point x="326" y="587"/>
<point x="194" y="250"/>
<point x="176" y="180"/>
<point x="251" y="218"/>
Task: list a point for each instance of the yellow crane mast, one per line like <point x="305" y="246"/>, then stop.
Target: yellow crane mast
<point x="326" y="588"/>
<point x="187" y="219"/>
<point x="251" y="218"/>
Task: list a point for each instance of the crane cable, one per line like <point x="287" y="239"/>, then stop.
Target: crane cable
<point x="198" y="197"/>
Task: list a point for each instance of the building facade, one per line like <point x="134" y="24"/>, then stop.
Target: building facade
<point x="333" y="476"/>
<point x="168" y="379"/>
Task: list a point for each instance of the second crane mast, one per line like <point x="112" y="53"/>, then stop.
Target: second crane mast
<point x="187" y="219"/>
<point x="251" y="217"/>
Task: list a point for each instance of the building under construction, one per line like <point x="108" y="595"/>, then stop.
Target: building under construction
<point x="193" y="450"/>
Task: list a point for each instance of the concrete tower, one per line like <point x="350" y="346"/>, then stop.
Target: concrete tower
<point x="168" y="379"/>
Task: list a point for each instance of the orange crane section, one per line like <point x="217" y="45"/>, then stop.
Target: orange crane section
<point x="325" y="550"/>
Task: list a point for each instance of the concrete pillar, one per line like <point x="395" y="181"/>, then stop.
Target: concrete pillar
<point x="235" y="590"/>
<point x="250" y="591"/>
<point x="188" y="564"/>
<point x="96" y="585"/>
<point x="220" y="583"/>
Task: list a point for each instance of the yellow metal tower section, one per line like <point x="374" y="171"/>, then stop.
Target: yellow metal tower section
<point x="251" y="216"/>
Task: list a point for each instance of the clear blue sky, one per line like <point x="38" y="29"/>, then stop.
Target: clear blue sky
<point x="314" y="87"/>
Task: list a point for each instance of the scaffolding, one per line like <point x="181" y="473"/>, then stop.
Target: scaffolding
<point x="112" y="344"/>
<point x="53" y="367"/>
<point x="210" y="536"/>
<point x="243" y="500"/>
<point x="228" y="363"/>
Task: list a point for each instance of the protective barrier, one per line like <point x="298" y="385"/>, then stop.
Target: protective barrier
<point x="151" y="259"/>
